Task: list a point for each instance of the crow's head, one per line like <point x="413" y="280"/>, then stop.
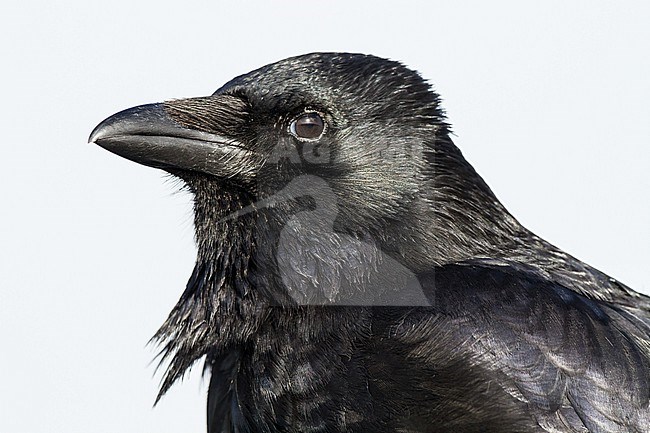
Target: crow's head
<point x="358" y="122"/>
<point x="369" y="128"/>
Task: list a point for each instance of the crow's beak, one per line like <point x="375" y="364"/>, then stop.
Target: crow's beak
<point x="147" y="135"/>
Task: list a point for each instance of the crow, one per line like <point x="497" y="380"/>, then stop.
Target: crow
<point x="354" y="273"/>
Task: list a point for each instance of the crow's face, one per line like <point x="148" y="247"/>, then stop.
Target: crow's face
<point x="359" y="124"/>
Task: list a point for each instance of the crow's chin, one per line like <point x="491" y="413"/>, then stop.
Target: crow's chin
<point x="195" y="180"/>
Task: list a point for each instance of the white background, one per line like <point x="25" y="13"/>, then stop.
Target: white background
<point x="549" y="102"/>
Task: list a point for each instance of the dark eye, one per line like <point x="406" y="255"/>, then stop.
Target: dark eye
<point x="309" y="126"/>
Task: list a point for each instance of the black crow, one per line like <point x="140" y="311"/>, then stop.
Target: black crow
<point x="355" y="274"/>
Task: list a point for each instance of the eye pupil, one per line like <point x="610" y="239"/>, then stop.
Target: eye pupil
<point x="308" y="126"/>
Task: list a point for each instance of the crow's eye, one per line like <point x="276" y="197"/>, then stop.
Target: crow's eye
<point x="309" y="126"/>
